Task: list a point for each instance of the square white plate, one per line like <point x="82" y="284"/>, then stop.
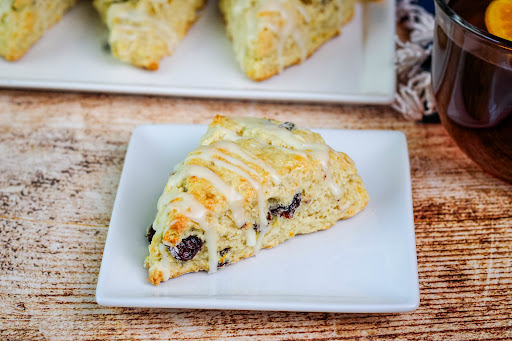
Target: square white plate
<point x="355" y="67"/>
<point x="363" y="264"/>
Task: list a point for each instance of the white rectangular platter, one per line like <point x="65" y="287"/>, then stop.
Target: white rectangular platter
<point x="356" y="67"/>
<point x="363" y="264"/>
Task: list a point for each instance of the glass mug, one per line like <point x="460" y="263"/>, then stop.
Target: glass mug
<point x="472" y="82"/>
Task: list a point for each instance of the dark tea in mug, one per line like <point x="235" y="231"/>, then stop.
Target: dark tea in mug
<point x="472" y="80"/>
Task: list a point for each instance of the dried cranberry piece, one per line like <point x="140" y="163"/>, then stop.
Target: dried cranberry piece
<point x="150" y="232"/>
<point x="187" y="249"/>
<point x="276" y="210"/>
<point x="287" y="211"/>
<point x="287" y="125"/>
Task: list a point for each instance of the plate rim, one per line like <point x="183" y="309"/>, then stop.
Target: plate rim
<point x="410" y="303"/>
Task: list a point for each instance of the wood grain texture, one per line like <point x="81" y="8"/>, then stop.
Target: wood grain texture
<point x="61" y="156"/>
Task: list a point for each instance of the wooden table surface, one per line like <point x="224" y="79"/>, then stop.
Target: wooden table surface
<point x="61" y="156"/>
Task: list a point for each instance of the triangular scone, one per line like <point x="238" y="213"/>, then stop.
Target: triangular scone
<point x="23" y="22"/>
<point x="269" y="35"/>
<point x="142" y="32"/>
<point x="252" y="183"/>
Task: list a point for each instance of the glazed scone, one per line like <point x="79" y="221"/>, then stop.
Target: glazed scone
<point x="142" y="32"/>
<point x="23" y="22"/>
<point x="269" y="35"/>
<point x="251" y="184"/>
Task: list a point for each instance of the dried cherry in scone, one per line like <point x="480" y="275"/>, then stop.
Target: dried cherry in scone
<point x="223" y="252"/>
<point x="187" y="249"/>
<point x="287" y="211"/>
<point x="290" y="210"/>
<point x="150" y="233"/>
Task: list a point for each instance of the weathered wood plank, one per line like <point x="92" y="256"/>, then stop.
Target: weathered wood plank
<point x="61" y="156"/>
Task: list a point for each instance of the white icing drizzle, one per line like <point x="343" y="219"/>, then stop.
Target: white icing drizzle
<point x="250" y="235"/>
<point x="246" y="13"/>
<point x="304" y="13"/>
<point x="135" y="21"/>
<point x="318" y="151"/>
<point x="248" y="156"/>
<point x="290" y="151"/>
<point x="260" y="196"/>
<point x="290" y="15"/>
<point x="229" y="137"/>
<point x="209" y="153"/>
<point x="194" y="210"/>
<point x="235" y="200"/>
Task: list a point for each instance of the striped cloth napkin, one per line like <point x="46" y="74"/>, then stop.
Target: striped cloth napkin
<point x="414" y="97"/>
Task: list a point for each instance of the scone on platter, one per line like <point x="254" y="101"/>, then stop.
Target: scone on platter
<point x="251" y="184"/>
<point x="23" y="22"/>
<point x="269" y="35"/>
<point x="142" y="32"/>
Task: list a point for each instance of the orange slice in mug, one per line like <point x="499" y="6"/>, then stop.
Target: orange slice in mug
<point x="498" y="18"/>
